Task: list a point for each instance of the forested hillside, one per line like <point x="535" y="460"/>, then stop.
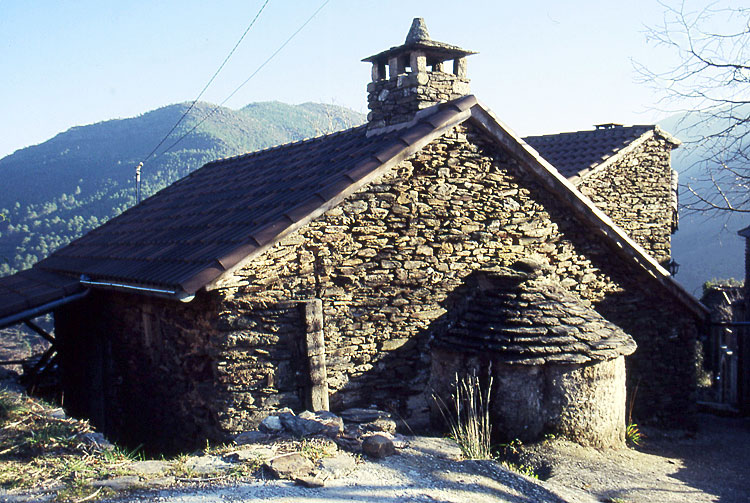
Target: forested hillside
<point x="53" y="192"/>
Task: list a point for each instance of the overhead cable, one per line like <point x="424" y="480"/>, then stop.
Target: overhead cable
<point x="257" y="15"/>
<point x="249" y="78"/>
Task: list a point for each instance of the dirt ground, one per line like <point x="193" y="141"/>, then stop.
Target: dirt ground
<point x="710" y="466"/>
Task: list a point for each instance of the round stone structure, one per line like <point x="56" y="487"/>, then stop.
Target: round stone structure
<point x="557" y="366"/>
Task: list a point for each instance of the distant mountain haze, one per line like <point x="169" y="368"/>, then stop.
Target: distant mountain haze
<point x="706" y="245"/>
<point x="55" y="191"/>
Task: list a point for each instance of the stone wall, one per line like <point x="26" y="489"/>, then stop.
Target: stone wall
<point x="141" y="368"/>
<point x="170" y="375"/>
<point x="636" y="193"/>
<point x="585" y="403"/>
<point x="391" y="261"/>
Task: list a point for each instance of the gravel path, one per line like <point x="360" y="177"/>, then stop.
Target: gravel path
<point x="670" y="467"/>
<point x="427" y="470"/>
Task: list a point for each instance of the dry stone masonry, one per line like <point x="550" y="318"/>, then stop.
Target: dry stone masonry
<point x="390" y="262"/>
<point x="349" y="309"/>
<point x="417" y="77"/>
<point x="636" y="193"/>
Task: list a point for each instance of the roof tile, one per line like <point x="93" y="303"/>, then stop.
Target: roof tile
<point x="574" y="153"/>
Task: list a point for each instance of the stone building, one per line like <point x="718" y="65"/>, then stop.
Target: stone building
<point x="556" y="364"/>
<point x="626" y="172"/>
<point x="316" y="274"/>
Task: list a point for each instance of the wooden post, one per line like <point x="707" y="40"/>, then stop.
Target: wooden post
<point x="317" y="396"/>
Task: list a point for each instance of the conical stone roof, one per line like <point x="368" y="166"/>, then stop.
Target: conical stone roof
<point x="418" y="38"/>
<point x="523" y="318"/>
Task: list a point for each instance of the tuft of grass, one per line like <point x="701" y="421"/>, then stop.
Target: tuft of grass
<point x="633" y="435"/>
<point x="39" y="450"/>
<point x="526" y="470"/>
<point x="316" y="449"/>
<point x="469" y="416"/>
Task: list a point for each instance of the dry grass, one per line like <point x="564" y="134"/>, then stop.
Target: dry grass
<point x="41" y="451"/>
<point x="469" y="416"/>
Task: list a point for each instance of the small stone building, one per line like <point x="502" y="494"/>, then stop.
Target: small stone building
<point x="556" y="365"/>
<point x="316" y="274"/>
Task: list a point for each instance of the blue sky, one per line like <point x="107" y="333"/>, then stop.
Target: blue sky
<point x="542" y="66"/>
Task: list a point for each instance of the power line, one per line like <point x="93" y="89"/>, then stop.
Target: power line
<point x="192" y="105"/>
<point x="249" y="78"/>
<point x="257" y="15"/>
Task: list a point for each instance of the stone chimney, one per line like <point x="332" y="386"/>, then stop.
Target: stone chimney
<point x="413" y="76"/>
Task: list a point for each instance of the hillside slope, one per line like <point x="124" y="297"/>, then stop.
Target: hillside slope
<point x="55" y="191"/>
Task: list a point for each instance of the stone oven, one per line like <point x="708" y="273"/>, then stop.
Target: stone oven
<point x="556" y="365"/>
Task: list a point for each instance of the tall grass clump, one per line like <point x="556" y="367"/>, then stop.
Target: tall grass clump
<point x="468" y="416"/>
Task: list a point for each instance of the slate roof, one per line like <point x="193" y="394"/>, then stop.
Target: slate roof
<point x="206" y="222"/>
<point x="574" y="153"/>
<point x="193" y="232"/>
<point x="529" y="320"/>
<point x="31" y="289"/>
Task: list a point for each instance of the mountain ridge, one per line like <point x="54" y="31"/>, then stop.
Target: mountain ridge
<point x="57" y="190"/>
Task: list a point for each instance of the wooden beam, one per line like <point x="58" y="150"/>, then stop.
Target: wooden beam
<point x="39" y="330"/>
<point x="317" y="396"/>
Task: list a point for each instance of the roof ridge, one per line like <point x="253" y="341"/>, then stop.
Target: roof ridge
<point x="620" y="128"/>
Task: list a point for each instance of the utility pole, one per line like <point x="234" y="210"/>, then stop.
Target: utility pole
<point x="138" y="183"/>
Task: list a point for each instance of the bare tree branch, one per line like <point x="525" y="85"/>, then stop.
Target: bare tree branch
<point x="710" y="84"/>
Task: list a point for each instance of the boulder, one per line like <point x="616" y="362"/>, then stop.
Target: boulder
<point x="291" y="466"/>
<point x="382" y="424"/>
<point x="206" y="465"/>
<point x="356" y="415"/>
<point x="378" y="446"/>
<point x="272" y="424"/>
<point x="250" y="454"/>
<point x="312" y="423"/>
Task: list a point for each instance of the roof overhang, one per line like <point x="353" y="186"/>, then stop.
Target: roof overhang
<point x="31" y="293"/>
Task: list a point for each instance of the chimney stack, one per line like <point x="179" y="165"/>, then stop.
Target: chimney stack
<point x="414" y="76"/>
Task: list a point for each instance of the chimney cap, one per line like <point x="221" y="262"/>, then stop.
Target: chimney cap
<point x="419" y="39"/>
<point x="418" y="32"/>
